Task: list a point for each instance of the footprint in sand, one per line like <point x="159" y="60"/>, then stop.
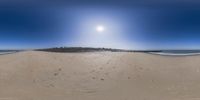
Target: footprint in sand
<point x="102" y="79"/>
<point x="55" y="74"/>
<point x="93" y="77"/>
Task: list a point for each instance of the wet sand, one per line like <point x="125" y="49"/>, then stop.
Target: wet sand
<point x="35" y="75"/>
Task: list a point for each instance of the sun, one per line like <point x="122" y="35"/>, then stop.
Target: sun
<point x="100" y="28"/>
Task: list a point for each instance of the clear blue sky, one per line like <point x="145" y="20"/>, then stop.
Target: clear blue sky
<point x="126" y="24"/>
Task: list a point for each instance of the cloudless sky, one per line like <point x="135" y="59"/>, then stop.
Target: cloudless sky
<point x="128" y="24"/>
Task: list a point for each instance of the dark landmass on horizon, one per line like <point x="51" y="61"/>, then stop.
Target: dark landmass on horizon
<point x="90" y="49"/>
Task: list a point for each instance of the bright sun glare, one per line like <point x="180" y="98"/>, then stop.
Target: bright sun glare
<point x="100" y="28"/>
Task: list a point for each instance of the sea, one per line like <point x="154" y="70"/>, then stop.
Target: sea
<point x="177" y="52"/>
<point x="3" y="52"/>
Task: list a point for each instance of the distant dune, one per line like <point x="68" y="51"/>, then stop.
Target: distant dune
<point x="36" y="75"/>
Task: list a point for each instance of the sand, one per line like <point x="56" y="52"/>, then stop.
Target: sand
<point x="34" y="75"/>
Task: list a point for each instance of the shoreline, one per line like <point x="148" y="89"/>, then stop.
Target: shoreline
<point x="5" y="53"/>
<point x="152" y="53"/>
<point x="174" y="54"/>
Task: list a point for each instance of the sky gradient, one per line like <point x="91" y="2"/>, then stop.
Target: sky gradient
<point x="128" y="24"/>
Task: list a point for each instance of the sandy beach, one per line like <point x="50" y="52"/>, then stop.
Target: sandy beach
<point x="34" y="75"/>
